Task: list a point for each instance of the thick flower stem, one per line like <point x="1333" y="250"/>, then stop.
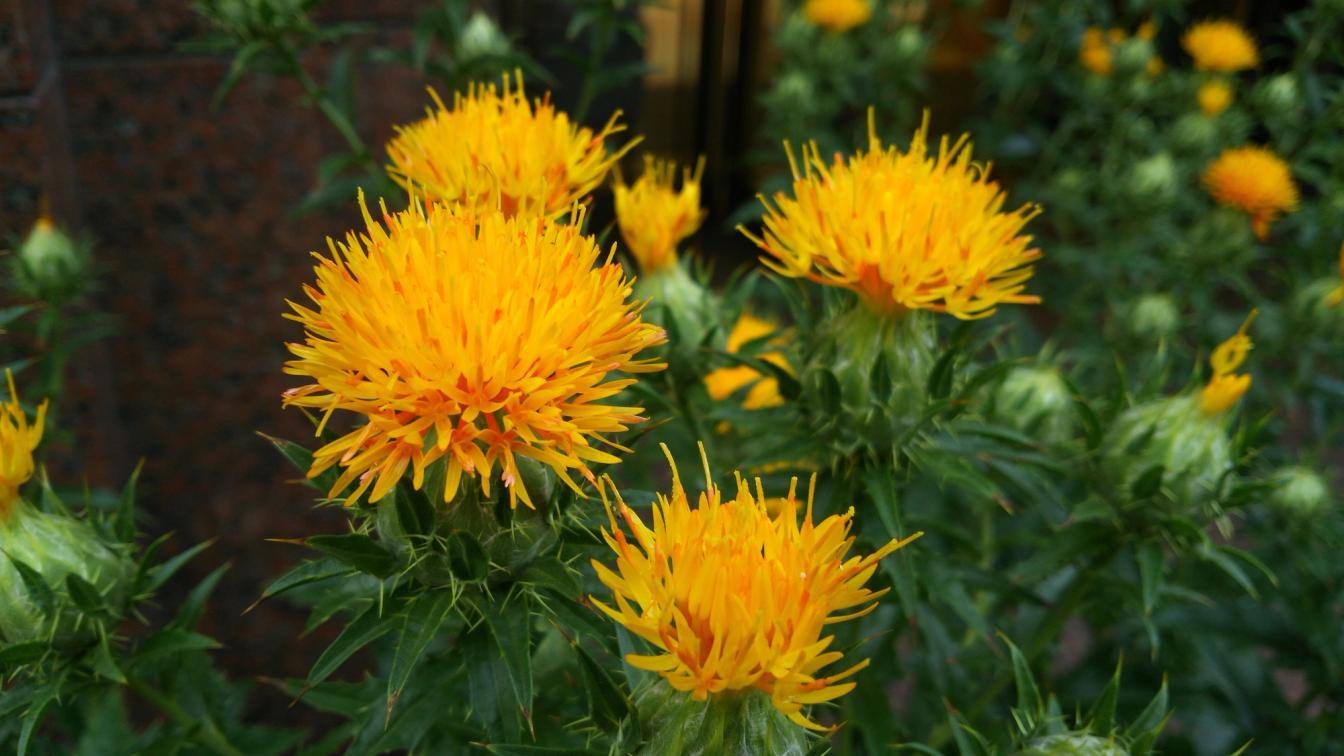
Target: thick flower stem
<point x="207" y="733"/>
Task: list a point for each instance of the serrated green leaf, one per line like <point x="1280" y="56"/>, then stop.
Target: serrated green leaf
<point x="18" y="654"/>
<point x="610" y="707"/>
<point x="169" y="641"/>
<point x="160" y="574"/>
<point x="85" y="596"/>
<point x="363" y="630"/>
<point x="307" y="573"/>
<point x="1101" y="719"/>
<point x="357" y="550"/>
<point x="194" y="605"/>
<point x="39" y="592"/>
<point x="421" y="624"/>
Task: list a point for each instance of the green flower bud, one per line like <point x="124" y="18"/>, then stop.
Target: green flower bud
<point x="1311" y="303"/>
<point x="1074" y="744"/>
<point x="872" y="370"/>
<point x="1035" y="400"/>
<point x="55" y="546"/>
<point x="1174" y="433"/>
<point x="481" y="38"/>
<point x="1278" y="94"/>
<point x="1152" y="317"/>
<point x="1153" y="177"/>
<point x="1071" y="181"/>
<point x="1132" y="56"/>
<point x="49" y="265"/>
<point x="1195" y="132"/>
<point x="680" y="304"/>
<point x="1298" y="492"/>
<point x="739" y="722"/>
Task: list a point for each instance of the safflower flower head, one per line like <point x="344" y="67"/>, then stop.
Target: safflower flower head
<point x="1226" y="386"/>
<point x="496" y="149"/>
<point x="838" y="15"/>
<point x="735" y="598"/>
<point x="1221" y="46"/>
<point x="725" y="381"/>
<point x="18" y="440"/>
<point x="1214" y="97"/>
<point x="904" y="230"/>
<point x="1254" y="180"/>
<point x="1095" y="52"/>
<point x="469" y="338"/>
<point x="654" y="216"/>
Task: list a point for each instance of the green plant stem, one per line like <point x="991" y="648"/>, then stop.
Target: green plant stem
<point x="597" y="50"/>
<point x="324" y="104"/>
<point x="206" y="731"/>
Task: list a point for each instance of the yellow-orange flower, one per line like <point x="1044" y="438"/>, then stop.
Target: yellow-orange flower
<point x="1147" y="30"/>
<point x="468" y="338"/>
<point x="838" y="15"/>
<point x="653" y="216"/>
<point x="724" y="382"/>
<point x="1336" y="297"/>
<point x="1227" y="386"/>
<point x="736" y="598"/>
<point x="1214" y="97"/>
<point x="1095" y="52"/>
<point x="18" y="439"/>
<point x="497" y="149"/>
<point x="905" y="230"/>
<point x="1255" y="180"/>
<point x="1220" y="46"/>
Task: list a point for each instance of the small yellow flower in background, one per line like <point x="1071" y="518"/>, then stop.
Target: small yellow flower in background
<point x="1221" y="46"/>
<point x="653" y="216"/>
<point x="469" y="338"/>
<point x="1255" y="180"/>
<point x="735" y="597"/>
<point x="18" y="439"/>
<point x="1154" y="66"/>
<point x="902" y="229"/>
<point x="497" y="149"/>
<point x="838" y="15"/>
<point x="1214" y="97"/>
<point x="1336" y="297"/>
<point x="1226" y="386"/>
<point x="724" y="382"/>
<point x="1095" y="52"/>
<point x="1147" y="30"/>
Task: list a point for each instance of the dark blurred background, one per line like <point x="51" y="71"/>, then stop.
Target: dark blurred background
<point x="106" y="117"/>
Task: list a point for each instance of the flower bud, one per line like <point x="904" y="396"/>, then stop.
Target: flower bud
<point x="55" y="546"/>
<point x="1152" y="317"/>
<point x="1298" y="492"/>
<point x="1153" y="177"/>
<point x="50" y="265"/>
<point x="1035" y="399"/>
<point x="1132" y="56"/>
<point x="679" y="304"/>
<point x="1312" y="303"/>
<point x="1278" y="94"/>
<point x="729" y="722"/>
<point x="1193" y="131"/>
<point x="1074" y="744"/>
<point x="1176" y="434"/>
<point x="482" y="38"/>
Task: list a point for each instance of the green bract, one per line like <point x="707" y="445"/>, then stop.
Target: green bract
<point x="1173" y="435"/>
<point x="740" y="723"/>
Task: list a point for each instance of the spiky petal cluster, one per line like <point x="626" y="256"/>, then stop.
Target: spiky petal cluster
<point x="495" y="148"/>
<point x="905" y="230"/>
<point x="469" y="338"/>
<point x="1221" y="46"/>
<point x="1214" y="97"/>
<point x="737" y="598"/>
<point x="838" y="15"/>
<point x="724" y="382"/>
<point x="653" y="216"/>
<point x="1255" y="180"/>
<point x="18" y="439"/>
<point x="1227" y="386"/>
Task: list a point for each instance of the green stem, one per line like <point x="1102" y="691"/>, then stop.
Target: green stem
<point x="204" y="729"/>
<point x="597" y="50"/>
<point x="324" y="104"/>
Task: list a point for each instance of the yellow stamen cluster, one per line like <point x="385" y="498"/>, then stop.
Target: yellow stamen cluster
<point x="468" y="338"/>
<point x="1255" y="180"/>
<point x="1225" y="387"/>
<point x="1336" y="297"/>
<point x="1221" y="46"/>
<point x="905" y="230"/>
<point x="735" y="597"/>
<point x="18" y="439"/>
<point x="725" y="381"/>
<point x="838" y="15"/>
<point x="1214" y="97"/>
<point x="494" y="148"/>
<point x="653" y="216"/>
